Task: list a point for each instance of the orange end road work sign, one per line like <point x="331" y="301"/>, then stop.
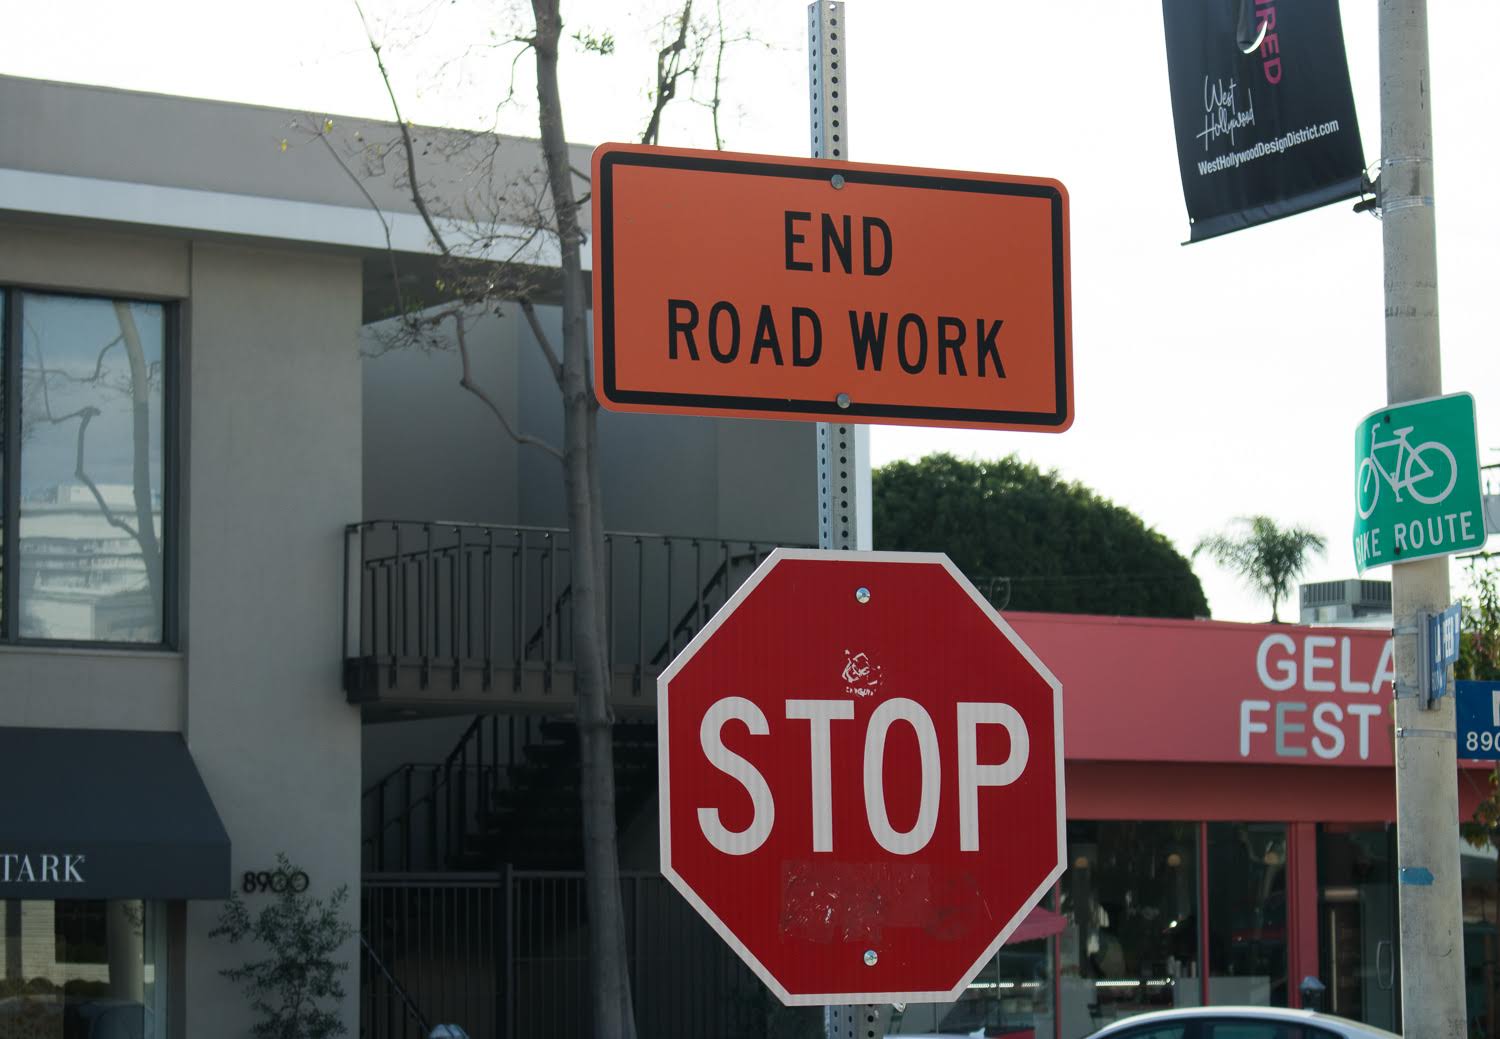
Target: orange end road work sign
<point x="768" y="287"/>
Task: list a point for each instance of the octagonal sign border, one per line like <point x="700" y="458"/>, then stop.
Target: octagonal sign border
<point x="726" y="611"/>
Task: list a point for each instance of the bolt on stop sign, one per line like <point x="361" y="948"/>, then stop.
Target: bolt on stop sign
<point x="861" y="777"/>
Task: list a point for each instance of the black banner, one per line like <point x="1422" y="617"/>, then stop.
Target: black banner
<point x="1263" y="110"/>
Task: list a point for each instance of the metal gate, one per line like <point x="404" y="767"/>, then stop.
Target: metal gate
<point x="505" y="956"/>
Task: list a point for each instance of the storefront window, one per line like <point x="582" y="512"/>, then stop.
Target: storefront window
<point x="1011" y="996"/>
<point x="1247" y="914"/>
<point x="1358" y="943"/>
<point x="83" y="970"/>
<point x="1130" y="906"/>
<point x="1481" y="893"/>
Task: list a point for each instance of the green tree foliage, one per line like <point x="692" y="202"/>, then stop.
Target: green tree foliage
<point x="1032" y="540"/>
<point x="1268" y="557"/>
<point x="1479" y="647"/>
<point x="300" y="936"/>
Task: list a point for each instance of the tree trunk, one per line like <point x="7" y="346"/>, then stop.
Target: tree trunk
<point x="614" y="1016"/>
<point x="140" y="400"/>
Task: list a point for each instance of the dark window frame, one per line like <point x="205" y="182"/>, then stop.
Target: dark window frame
<point x="10" y="462"/>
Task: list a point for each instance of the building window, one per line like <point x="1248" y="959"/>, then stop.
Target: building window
<point x="1478" y="869"/>
<point x="80" y="929"/>
<point x="1130" y="903"/>
<point x="86" y="382"/>
<point x="115" y="984"/>
<point x="1011" y="996"/>
<point x="1247" y="948"/>
<point x="1358" y="929"/>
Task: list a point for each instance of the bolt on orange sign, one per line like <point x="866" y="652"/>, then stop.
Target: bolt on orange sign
<point x="767" y="287"/>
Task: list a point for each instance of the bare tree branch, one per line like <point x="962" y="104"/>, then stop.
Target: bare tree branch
<point x="542" y="341"/>
<point x="58" y="420"/>
<point x="474" y="283"/>
<point x="468" y="383"/>
<point x="94" y="379"/>
<point x="718" y="76"/>
<point x="87" y="416"/>
<point x="510" y="93"/>
<point x="385" y="225"/>
<point x="669" y="70"/>
<point x="99" y="361"/>
<point x="411" y="153"/>
<point x="481" y="223"/>
<point x="140" y="477"/>
<point x="714" y="103"/>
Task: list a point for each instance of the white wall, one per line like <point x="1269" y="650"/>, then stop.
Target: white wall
<point x="432" y="450"/>
<point x="105" y="688"/>
<point x="270" y="439"/>
<point x="435" y="452"/>
<point x="273" y="474"/>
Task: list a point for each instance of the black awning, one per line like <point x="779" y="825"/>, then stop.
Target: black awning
<point x="92" y="813"/>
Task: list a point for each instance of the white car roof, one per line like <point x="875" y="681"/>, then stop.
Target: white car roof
<point x="1340" y="1024"/>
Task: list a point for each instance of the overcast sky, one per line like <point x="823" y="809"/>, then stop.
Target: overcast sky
<point x="1212" y="381"/>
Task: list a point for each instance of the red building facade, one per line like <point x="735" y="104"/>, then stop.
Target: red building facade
<point x="1231" y="831"/>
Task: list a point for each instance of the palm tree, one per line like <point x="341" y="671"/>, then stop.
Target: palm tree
<point x="1266" y="556"/>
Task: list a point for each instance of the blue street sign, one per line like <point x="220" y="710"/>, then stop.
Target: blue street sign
<point x="1442" y="648"/>
<point x="1478" y="714"/>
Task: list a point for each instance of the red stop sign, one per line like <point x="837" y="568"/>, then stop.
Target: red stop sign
<point x="861" y="775"/>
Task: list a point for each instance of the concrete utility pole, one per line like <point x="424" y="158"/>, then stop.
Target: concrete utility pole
<point x="1432" y="950"/>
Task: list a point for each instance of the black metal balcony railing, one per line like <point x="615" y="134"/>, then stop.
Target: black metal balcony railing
<point x="458" y="610"/>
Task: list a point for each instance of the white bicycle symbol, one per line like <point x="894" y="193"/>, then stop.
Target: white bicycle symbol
<point x="1413" y="468"/>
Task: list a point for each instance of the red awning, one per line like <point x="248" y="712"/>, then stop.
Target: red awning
<point x="1039" y="923"/>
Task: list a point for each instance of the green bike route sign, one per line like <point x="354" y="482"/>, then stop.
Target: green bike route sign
<point x="1416" y="482"/>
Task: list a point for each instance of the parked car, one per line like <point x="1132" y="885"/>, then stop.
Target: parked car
<point x="1239" y="1023"/>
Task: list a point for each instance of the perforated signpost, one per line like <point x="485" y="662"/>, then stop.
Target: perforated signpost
<point x="860" y="763"/>
<point x="861" y="777"/>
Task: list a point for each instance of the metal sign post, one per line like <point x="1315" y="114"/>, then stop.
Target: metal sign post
<point x="843" y="448"/>
<point x="843" y="451"/>
<point x="655" y="287"/>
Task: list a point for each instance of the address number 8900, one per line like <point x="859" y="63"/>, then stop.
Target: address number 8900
<point x="277" y="882"/>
